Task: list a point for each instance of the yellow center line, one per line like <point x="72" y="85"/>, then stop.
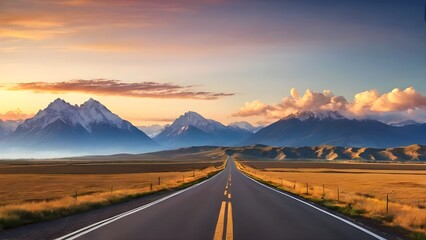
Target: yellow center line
<point x="229" y="225"/>
<point x="229" y="195"/>
<point x="225" y="193"/>
<point x="218" y="233"/>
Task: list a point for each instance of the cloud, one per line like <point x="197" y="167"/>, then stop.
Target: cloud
<point x="254" y="108"/>
<point x="15" y="115"/>
<point x="46" y="19"/>
<point x="395" y="105"/>
<point x="30" y="34"/>
<point x="119" y="88"/>
<point x="396" y="100"/>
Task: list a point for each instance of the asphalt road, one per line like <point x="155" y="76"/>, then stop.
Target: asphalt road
<point x="228" y="206"/>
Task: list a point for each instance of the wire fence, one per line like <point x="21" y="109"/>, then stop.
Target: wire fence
<point x="134" y="184"/>
<point x="390" y="207"/>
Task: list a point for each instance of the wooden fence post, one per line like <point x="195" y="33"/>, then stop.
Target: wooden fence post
<point x="387" y="203"/>
<point x="323" y="191"/>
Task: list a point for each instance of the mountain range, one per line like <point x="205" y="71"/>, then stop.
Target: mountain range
<point x="331" y="128"/>
<point x="85" y="129"/>
<point x="91" y="128"/>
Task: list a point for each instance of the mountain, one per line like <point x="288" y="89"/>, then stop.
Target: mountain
<point x="152" y="130"/>
<point x="7" y="127"/>
<point x="246" y="126"/>
<point x="86" y="129"/>
<point x="261" y="152"/>
<point x="192" y="129"/>
<point x="331" y="128"/>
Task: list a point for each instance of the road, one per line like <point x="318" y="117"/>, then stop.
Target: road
<point x="228" y="206"/>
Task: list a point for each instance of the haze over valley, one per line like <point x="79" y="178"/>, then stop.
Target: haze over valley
<point x="62" y="129"/>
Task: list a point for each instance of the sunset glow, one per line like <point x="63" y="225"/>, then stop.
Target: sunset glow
<point x="151" y="61"/>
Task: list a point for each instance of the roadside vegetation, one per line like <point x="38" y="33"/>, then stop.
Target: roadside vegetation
<point x="35" y="196"/>
<point x="392" y="199"/>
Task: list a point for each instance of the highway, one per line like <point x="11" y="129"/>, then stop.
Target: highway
<point x="227" y="206"/>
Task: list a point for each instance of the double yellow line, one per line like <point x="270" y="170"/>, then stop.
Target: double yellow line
<point x="218" y="234"/>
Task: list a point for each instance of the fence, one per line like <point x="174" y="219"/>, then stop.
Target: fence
<point x="388" y="206"/>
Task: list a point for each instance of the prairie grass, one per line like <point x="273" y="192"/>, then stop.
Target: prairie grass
<point x="30" y="198"/>
<point x="358" y="193"/>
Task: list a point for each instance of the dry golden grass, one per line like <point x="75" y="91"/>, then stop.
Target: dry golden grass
<point x="28" y="198"/>
<point x="361" y="192"/>
<point x="20" y="188"/>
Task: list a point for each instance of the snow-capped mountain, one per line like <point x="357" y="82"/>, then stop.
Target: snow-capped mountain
<point x="88" y="128"/>
<point x="196" y="120"/>
<point x="88" y="114"/>
<point x="246" y="126"/>
<point x="192" y="129"/>
<point x="331" y="128"/>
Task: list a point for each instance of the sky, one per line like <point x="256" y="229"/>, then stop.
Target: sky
<point x="235" y="60"/>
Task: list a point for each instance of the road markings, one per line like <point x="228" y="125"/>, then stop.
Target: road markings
<point x="225" y="213"/>
<point x="93" y="227"/>
<point x="229" y="224"/>
<point x="218" y="233"/>
<point x="319" y="209"/>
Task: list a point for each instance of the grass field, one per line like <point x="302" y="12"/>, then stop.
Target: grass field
<point x="39" y="190"/>
<point x="355" y="189"/>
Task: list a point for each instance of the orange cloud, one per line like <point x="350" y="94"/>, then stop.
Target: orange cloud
<point x="15" y="115"/>
<point x="254" y="108"/>
<point x="34" y="23"/>
<point x="119" y="88"/>
<point x="29" y="34"/>
<point x="31" y="27"/>
<point x="407" y="102"/>
<point x="399" y="100"/>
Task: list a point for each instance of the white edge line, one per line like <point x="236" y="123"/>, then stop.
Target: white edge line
<point x="92" y="227"/>
<point x="317" y="208"/>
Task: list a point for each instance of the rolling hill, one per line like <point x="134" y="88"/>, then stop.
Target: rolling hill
<point x="261" y="152"/>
